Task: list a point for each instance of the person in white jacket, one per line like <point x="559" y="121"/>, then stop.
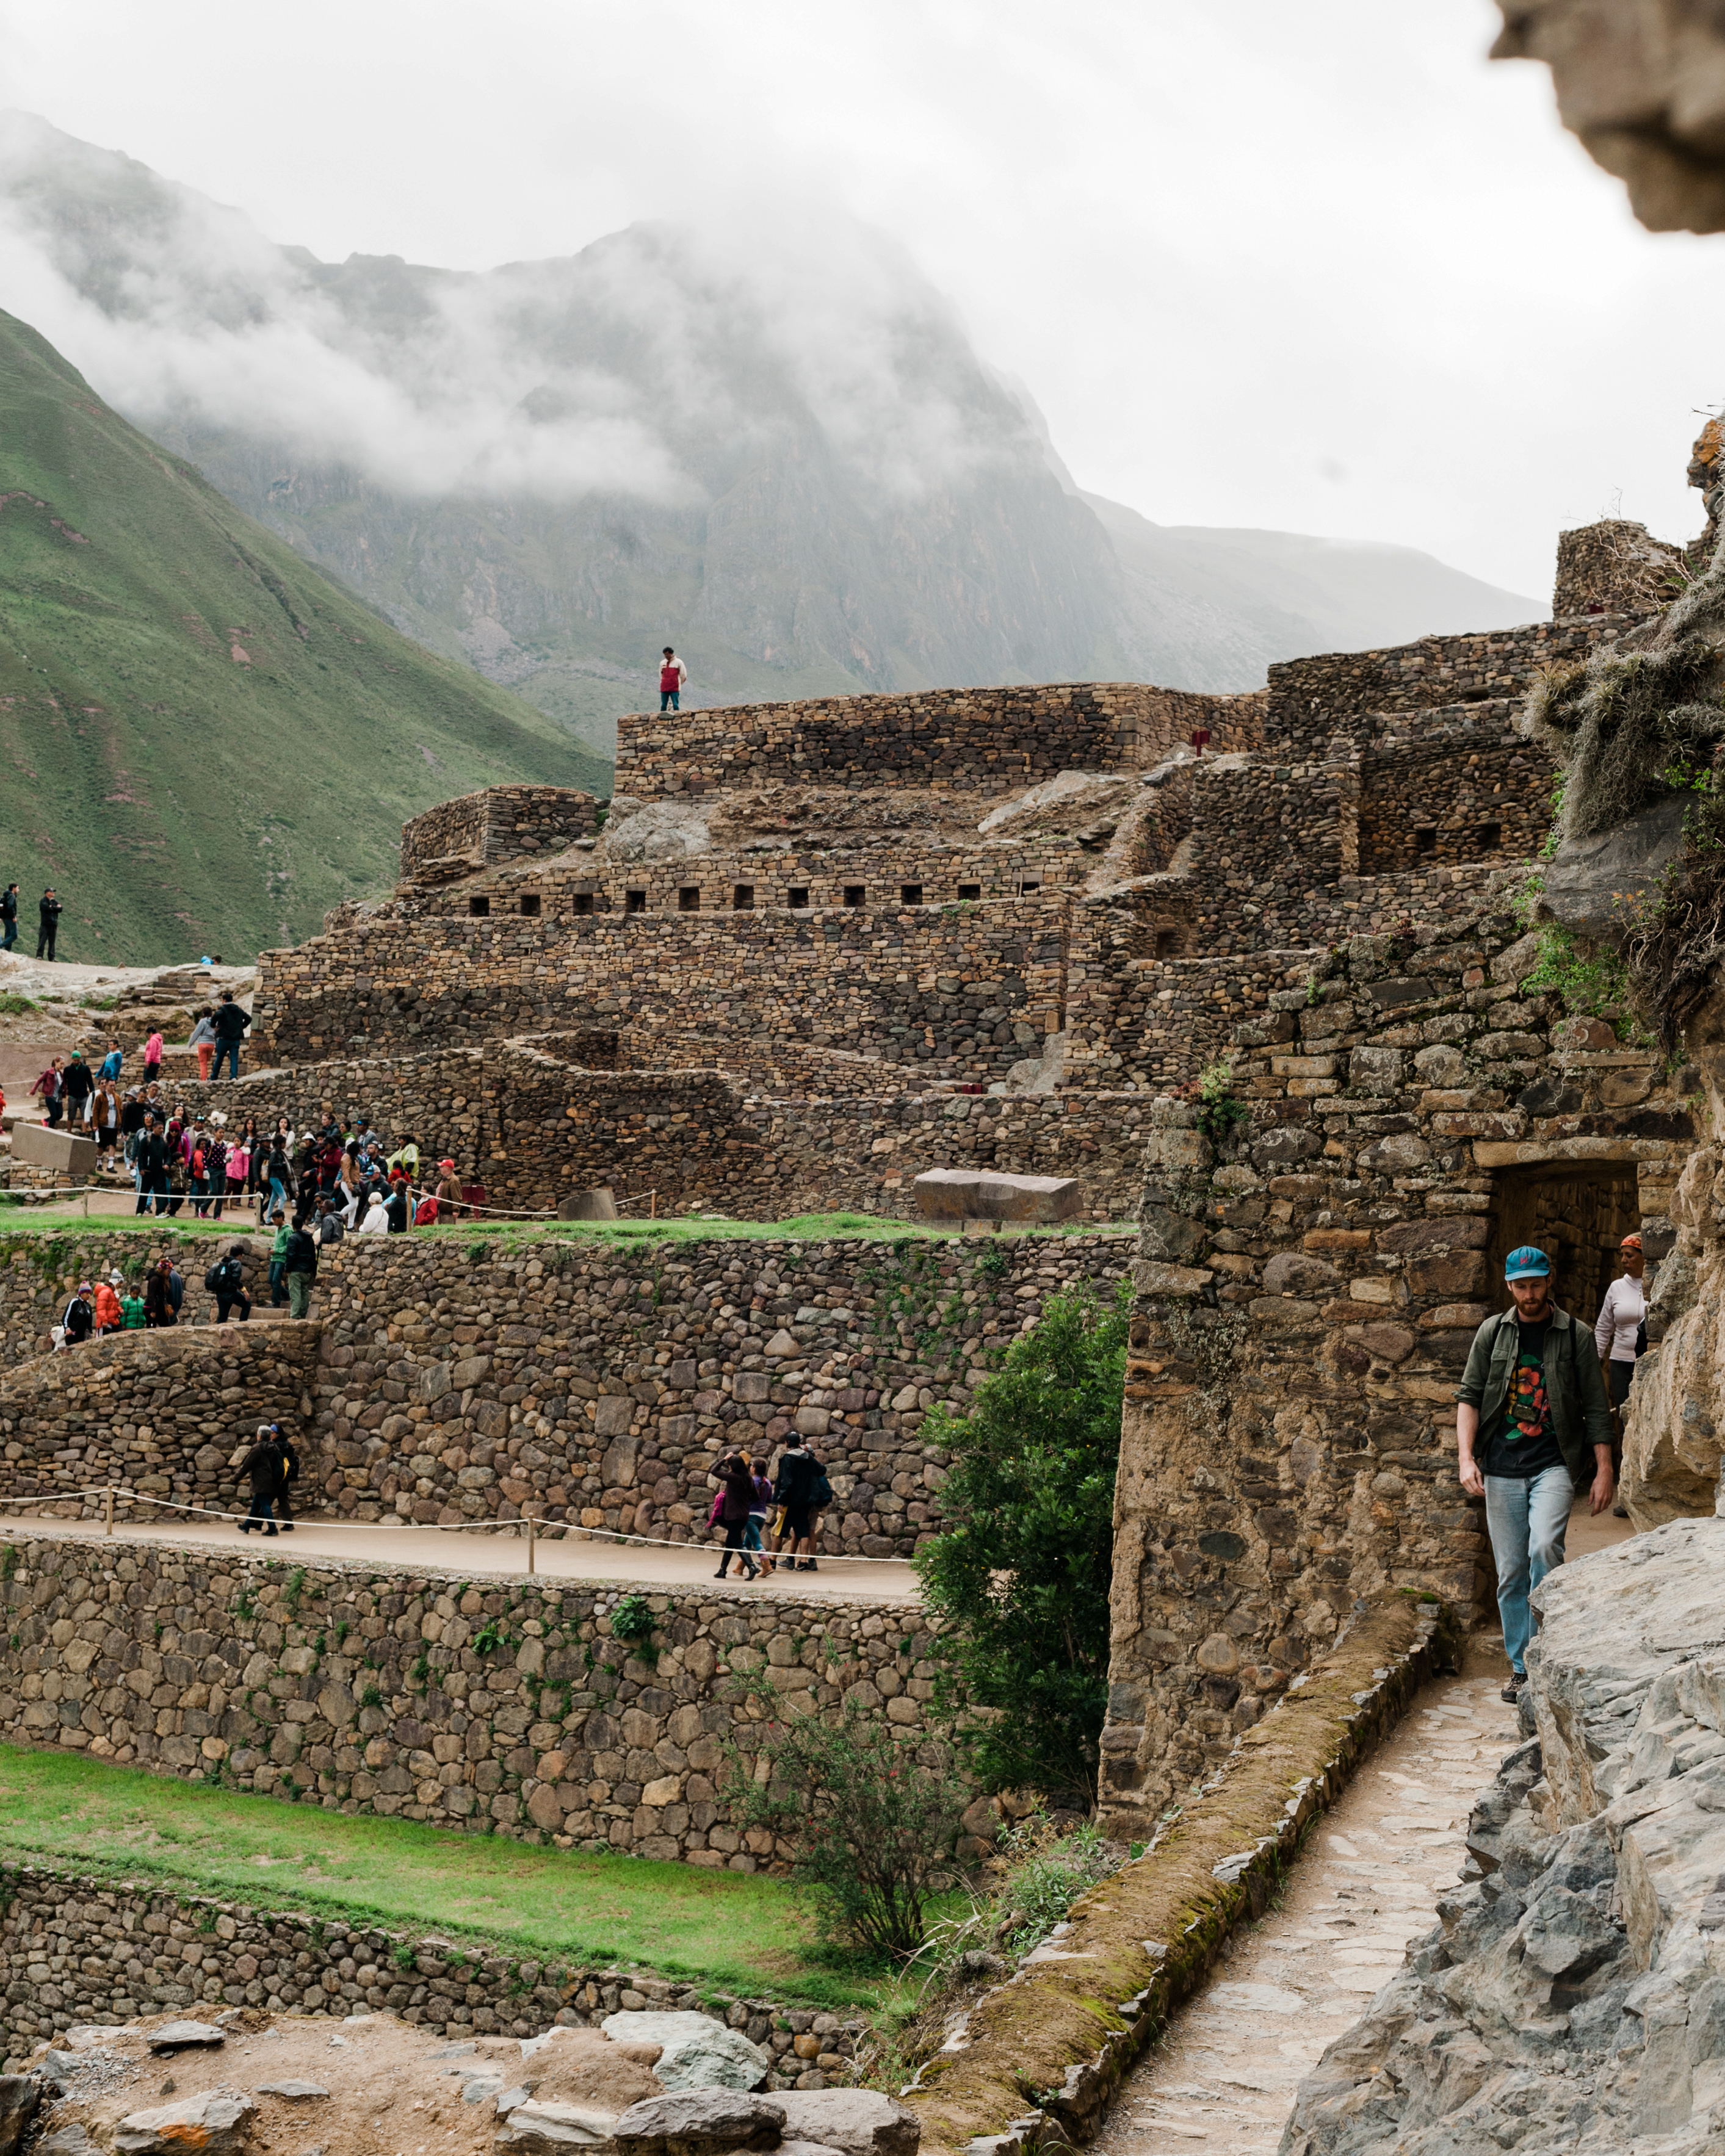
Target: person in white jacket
<point x="1616" y="1332"/>
<point x="376" y="1220"/>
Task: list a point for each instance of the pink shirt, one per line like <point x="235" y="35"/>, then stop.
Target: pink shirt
<point x="153" y="1048"/>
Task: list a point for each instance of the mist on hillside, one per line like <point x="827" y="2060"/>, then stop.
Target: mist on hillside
<point x="771" y="442"/>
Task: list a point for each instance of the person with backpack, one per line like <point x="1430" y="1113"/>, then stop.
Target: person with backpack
<point x="228" y="1026"/>
<point x="802" y="1487"/>
<point x="79" y="1320"/>
<point x="731" y="1511"/>
<point x="299" y="1266"/>
<point x="331" y="1228"/>
<point x="1532" y="1428"/>
<point x="149" y="1161"/>
<point x="160" y="1309"/>
<point x="262" y="1468"/>
<point x="226" y="1282"/>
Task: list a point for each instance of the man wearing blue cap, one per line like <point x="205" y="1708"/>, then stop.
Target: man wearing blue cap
<point x="1532" y="1426"/>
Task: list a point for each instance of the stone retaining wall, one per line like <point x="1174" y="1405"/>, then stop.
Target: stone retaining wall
<point x="1311" y="699"/>
<point x="158" y="1412"/>
<point x="505" y="1708"/>
<point x="460" y="1380"/>
<point x="994" y="739"/>
<point x="82" y="1948"/>
<point x="1308" y="1290"/>
<point x="968" y="988"/>
<point x="481" y="829"/>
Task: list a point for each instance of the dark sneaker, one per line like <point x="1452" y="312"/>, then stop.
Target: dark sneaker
<point x="1511" y="1691"/>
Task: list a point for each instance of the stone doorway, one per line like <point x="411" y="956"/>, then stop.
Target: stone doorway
<point x="1577" y="1212"/>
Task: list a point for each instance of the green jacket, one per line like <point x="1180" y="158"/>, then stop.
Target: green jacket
<point x="1580" y="1412"/>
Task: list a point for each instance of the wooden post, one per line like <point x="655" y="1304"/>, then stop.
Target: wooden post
<point x="532" y="1544"/>
<point x="108" y="1525"/>
<point x="652" y="1205"/>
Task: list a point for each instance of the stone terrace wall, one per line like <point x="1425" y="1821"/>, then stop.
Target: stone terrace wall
<point x="83" y="1950"/>
<point x="817" y="877"/>
<point x="159" y="1412"/>
<point x="1453" y="801"/>
<point x="507" y="1709"/>
<point x="1312" y="699"/>
<point x="598" y="1385"/>
<point x="996" y="739"/>
<point x="1305" y="1299"/>
<point x="459" y="1380"/>
<point x="479" y="830"/>
<point x="958" y="988"/>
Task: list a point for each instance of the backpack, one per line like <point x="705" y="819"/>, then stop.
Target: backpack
<point x="223" y="1277"/>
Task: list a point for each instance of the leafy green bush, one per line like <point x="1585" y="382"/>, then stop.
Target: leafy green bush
<point x="1020" y="1577"/>
<point x="873" y="1823"/>
<point x="1041" y="1873"/>
<point x="633" y="1622"/>
<point x="1220" y="1108"/>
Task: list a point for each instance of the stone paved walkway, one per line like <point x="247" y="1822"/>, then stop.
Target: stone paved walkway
<point x="1222" y="2079"/>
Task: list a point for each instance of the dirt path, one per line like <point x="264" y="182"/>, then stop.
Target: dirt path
<point x="1223" y="2078"/>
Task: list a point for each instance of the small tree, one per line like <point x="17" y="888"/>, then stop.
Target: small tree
<point x="1020" y="1575"/>
<point x="872" y="1823"/>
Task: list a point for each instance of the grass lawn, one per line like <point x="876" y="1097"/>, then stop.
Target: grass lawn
<point x="732" y="1931"/>
<point x="806" y="1226"/>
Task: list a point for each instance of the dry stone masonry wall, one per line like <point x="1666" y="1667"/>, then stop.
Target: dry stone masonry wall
<point x="479" y="830"/>
<point x="507" y="1708"/>
<point x="82" y="1950"/>
<point x="445" y="1381"/>
<point x="991" y="739"/>
<point x="1306" y="1297"/>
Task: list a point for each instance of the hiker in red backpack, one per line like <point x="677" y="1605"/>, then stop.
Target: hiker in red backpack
<point x="672" y="674"/>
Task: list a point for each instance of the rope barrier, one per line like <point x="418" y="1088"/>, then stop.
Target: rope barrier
<point x="238" y="1201"/>
<point x="528" y="1522"/>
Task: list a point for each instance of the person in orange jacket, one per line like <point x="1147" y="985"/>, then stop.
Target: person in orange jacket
<point x="109" y="1316"/>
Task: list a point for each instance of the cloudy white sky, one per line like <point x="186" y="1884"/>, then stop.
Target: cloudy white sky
<point x="1317" y="268"/>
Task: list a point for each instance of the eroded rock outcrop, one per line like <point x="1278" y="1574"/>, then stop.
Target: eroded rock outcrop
<point x="1573" y="1996"/>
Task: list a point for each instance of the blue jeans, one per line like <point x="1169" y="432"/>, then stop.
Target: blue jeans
<point x="751" y="1532"/>
<point x="230" y="1048"/>
<point x="670" y="699"/>
<point x="1526" y="1518"/>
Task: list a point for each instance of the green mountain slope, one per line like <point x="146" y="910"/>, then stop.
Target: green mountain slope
<point x="204" y="743"/>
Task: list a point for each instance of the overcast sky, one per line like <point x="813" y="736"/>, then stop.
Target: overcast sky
<point x="1317" y="268"/>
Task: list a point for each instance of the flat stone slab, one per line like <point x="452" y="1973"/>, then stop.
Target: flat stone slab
<point x="295" y="2092"/>
<point x="177" y="2035"/>
<point x="963" y="1193"/>
<point x="212" y="2124"/>
<point x="600" y="1204"/>
<point x="551" y="2129"/>
<point x="40" y="1147"/>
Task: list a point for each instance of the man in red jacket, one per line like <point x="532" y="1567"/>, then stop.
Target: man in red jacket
<point x="672" y="674"/>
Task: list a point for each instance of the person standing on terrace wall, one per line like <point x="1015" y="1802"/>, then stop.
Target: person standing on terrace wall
<point x="672" y="674"/>
<point x="1533" y="1401"/>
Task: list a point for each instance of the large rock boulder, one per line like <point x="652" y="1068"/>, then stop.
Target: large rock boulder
<point x="20" y="2099"/>
<point x="858" y="2121"/>
<point x="695" y="2052"/>
<point x="702" y="2123"/>
<point x="1592" y="886"/>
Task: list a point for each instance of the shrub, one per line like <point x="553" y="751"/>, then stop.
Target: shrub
<point x="1041" y="1873"/>
<point x="873" y="1824"/>
<point x="1020" y="1575"/>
